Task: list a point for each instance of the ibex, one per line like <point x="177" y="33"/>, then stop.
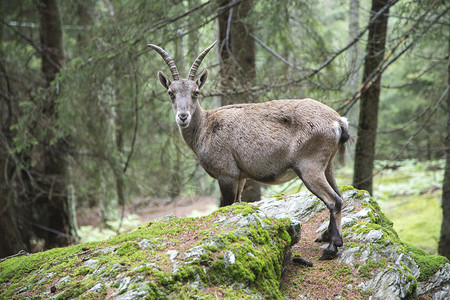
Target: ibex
<point x="271" y="142"/>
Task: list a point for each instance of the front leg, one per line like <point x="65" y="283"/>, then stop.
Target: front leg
<point x="229" y="191"/>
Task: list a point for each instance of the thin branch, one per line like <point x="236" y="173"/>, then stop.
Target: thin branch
<point x="376" y="73"/>
<point x="226" y="41"/>
<point x="270" y="50"/>
<point x="162" y="23"/>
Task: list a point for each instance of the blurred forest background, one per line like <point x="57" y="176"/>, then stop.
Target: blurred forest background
<point x="85" y="123"/>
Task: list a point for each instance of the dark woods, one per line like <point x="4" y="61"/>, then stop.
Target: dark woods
<point x="84" y="123"/>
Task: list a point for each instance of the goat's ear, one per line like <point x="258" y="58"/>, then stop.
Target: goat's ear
<point x="201" y="79"/>
<point x="165" y="81"/>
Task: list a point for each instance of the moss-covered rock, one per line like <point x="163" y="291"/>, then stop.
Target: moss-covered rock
<point x="238" y="247"/>
<point x="237" y="252"/>
<point x="394" y="270"/>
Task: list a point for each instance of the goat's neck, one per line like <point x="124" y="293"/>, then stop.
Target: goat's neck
<point x="191" y="134"/>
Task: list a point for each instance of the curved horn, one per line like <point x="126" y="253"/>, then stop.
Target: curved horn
<point x="198" y="61"/>
<point x="168" y="60"/>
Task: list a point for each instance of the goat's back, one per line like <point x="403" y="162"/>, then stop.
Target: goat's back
<point x="267" y="138"/>
<point x="274" y="120"/>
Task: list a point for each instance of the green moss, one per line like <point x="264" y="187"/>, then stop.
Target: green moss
<point x="17" y="267"/>
<point x="351" y="245"/>
<point x="380" y="218"/>
<point x="349" y="224"/>
<point x="371" y="265"/>
<point x="83" y="271"/>
<point x="428" y="264"/>
<point x="246" y="210"/>
<point x="280" y="196"/>
<point x="342" y="270"/>
<point x="366" y="293"/>
<point x="128" y="248"/>
<point x="344" y="188"/>
<point x="255" y="261"/>
<point x="378" y="221"/>
<point x="258" y="260"/>
<point x="232" y="237"/>
<point x="188" y="293"/>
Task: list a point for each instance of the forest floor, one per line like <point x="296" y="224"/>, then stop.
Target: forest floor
<point x="142" y="211"/>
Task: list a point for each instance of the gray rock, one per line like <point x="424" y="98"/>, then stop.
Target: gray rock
<point x="391" y="283"/>
<point x="229" y="258"/>
<point x="440" y="280"/>
<point x="96" y="288"/>
<point x="132" y="295"/>
<point x="301" y="207"/>
<point x="195" y="252"/>
<point x="172" y="254"/>
<point x="443" y="293"/>
<point x="91" y="263"/>
<point x="123" y="284"/>
<point x="146" y="244"/>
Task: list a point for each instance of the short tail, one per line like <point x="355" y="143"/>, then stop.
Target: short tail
<point x="345" y="136"/>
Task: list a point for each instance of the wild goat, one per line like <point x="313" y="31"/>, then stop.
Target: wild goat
<point x="271" y="142"/>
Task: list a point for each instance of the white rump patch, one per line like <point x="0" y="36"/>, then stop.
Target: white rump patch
<point x="344" y="121"/>
<point x="338" y="127"/>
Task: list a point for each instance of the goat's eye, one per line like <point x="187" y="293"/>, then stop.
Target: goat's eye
<point x="170" y="93"/>
<point x="196" y="92"/>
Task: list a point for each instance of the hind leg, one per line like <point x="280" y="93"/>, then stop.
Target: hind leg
<point x="329" y="174"/>
<point x="316" y="181"/>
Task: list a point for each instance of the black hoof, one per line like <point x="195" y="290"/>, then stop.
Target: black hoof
<point x="328" y="254"/>
<point x="322" y="239"/>
<point x="338" y="242"/>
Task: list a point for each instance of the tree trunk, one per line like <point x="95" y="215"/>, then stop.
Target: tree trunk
<point x="370" y="97"/>
<point x="444" y="242"/>
<point x="353" y="51"/>
<point x="9" y="228"/>
<point x="237" y="55"/>
<point x="50" y="206"/>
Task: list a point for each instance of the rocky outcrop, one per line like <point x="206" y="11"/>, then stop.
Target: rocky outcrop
<point x="392" y="269"/>
<point x="236" y="252"/>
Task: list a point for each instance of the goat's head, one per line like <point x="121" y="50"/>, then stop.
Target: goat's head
<point x="183" y="92"/>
